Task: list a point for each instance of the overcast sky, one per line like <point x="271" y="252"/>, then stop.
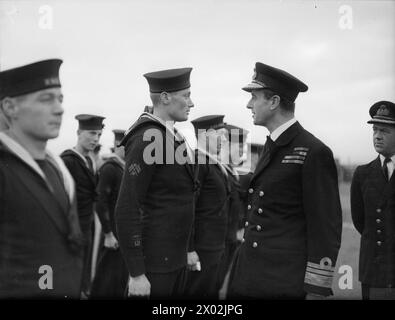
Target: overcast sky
<point x="108" y="45"/>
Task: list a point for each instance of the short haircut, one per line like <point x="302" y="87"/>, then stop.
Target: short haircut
<point x="285" y="104"/>
<point x="155" y="98"/>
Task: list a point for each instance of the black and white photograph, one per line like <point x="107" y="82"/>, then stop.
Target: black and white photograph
<point x="211" y="153"/>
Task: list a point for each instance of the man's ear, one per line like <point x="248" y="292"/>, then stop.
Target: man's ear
<point x="9" y="107"/>
<point x="165" y="97"/>
<point x="275" y="102"/>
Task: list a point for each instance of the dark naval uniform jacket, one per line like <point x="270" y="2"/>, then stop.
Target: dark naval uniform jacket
<point x="110" y="177"/>
<point x="373" y="214"/>
<point x="211" y="213"/>
<point x="155" y="207"/>
<point x="111" y="273"/>
<point x="294" y="222"/>
<point x="86" y="183"/>
<point x="37" y="230"/>
<point x="237" y="203"/>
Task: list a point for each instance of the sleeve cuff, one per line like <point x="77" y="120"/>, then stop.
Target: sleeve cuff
<point x="136" y="266"/>
<point x="318" y="278"/>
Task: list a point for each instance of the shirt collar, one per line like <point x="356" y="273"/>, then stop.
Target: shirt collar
<point x="277" y="132"/>
<point x="382" y="158"/>
<point x="168" y="124"/>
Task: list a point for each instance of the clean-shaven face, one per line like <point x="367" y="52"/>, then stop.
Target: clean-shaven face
<point x="89" y="139"/>
<point x="180" y="105"/>
<point x="39" y="114"/>
<point x="260" y="108"/>
<point x="384" y="139"/>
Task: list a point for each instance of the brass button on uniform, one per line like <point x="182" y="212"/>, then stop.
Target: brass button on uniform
<point x="261" y="193"/>
<point x="243" y="240"/>
<point x="379" y="243"/>
<point x="255" y="244"/>
<point x="378" y="220"/>
<point x="246" y="224"/>
<point x="249" y="207"/>
<point x="378" y="231"/>
<point x="258" y="228"/>
<point x="260" y="210"/>
<point x="378" y="210"/>
<point x="250" y="190"/>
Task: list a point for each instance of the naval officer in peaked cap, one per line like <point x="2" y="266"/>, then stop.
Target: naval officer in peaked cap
<point x="373" y="208"/>
<point x="294" y="221"/>
<point x="155" y="207"/>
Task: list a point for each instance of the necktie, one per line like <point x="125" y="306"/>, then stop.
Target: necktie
<point x="385" y="168"/>
<point x="268" y="146"/>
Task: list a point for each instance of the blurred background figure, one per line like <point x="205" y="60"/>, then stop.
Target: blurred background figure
<point x="149" y="109"/>
<point x="82" y="166"/>
<point x="233" y="156"/>
<point x="207" y="243"/>
<point x="111" y="274"/>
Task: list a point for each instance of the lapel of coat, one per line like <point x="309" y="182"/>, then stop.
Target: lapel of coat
<point x="84" y="164"/>
<point x="384" y="188"/>
<point x="284" y="139"/>
<point x="377" y="177"/>
<point x="43" y="196"/>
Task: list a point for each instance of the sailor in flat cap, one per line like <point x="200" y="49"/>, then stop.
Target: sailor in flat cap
<point x="294" y="224"/>
<point x="232" y="155"/>
<point x="82" y="166"/>
<point x="111" y="272"/>
<point x="40" y="236"/>
<point x="155" y="207"/>
<point x="207" y="242"/>
<point x="373" y="208"/>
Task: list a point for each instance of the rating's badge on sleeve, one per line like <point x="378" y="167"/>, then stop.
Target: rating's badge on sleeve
<point x="134" y="169"/>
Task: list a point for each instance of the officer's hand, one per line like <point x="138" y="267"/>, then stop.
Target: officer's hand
<point x="312" y="296"/>
<point x="193" y="261"/>
<point x="139" y="286"/>
<point x="110" y="241"/>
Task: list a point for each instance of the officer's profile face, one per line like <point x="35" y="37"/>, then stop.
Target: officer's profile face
<point x="37" y="115"/>
<point x="89" y="139"/>
<point x="384" y="139"/>
<point x="260" y="107"/>
<point x="179" y="105"/>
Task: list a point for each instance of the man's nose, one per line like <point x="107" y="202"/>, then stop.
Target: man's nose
<point x="58" y="109"/>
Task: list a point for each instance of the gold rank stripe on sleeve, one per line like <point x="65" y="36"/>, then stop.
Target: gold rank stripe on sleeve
<point x="301" y="149"/>
<point x="326" y="265"/>
<point x="318" y="280"/>
<point x="320" y="272"/>
<point x="293" y="161"/>
<point x="294" y="157"/>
